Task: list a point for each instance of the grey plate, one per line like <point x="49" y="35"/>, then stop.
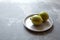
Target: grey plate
<point x="42" y="27"/>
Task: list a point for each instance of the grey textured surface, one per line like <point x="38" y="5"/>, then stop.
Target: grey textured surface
<point x="13" y="14"/>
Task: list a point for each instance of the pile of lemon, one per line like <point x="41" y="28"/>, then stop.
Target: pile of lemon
<point x="39" y="18"/>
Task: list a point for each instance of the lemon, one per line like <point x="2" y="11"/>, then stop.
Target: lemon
<point x="36" y="19"/>
<point x="44" y="15"/>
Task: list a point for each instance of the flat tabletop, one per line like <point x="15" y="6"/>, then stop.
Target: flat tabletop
<point x="13" y="13"/>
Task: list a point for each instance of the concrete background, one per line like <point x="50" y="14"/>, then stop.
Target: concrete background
<point x="13" y="12"/>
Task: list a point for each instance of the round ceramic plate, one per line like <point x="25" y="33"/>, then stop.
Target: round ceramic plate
<point x="42" y="27"/>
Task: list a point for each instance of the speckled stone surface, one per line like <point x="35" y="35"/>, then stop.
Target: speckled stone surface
<point x="12" y="15"/>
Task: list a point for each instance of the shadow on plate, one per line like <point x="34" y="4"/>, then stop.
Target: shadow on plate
<point x="41" y="33"/>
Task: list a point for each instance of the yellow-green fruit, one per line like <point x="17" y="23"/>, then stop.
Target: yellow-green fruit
<point x="36" y="20"/>
<point x="44" y="16"/>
